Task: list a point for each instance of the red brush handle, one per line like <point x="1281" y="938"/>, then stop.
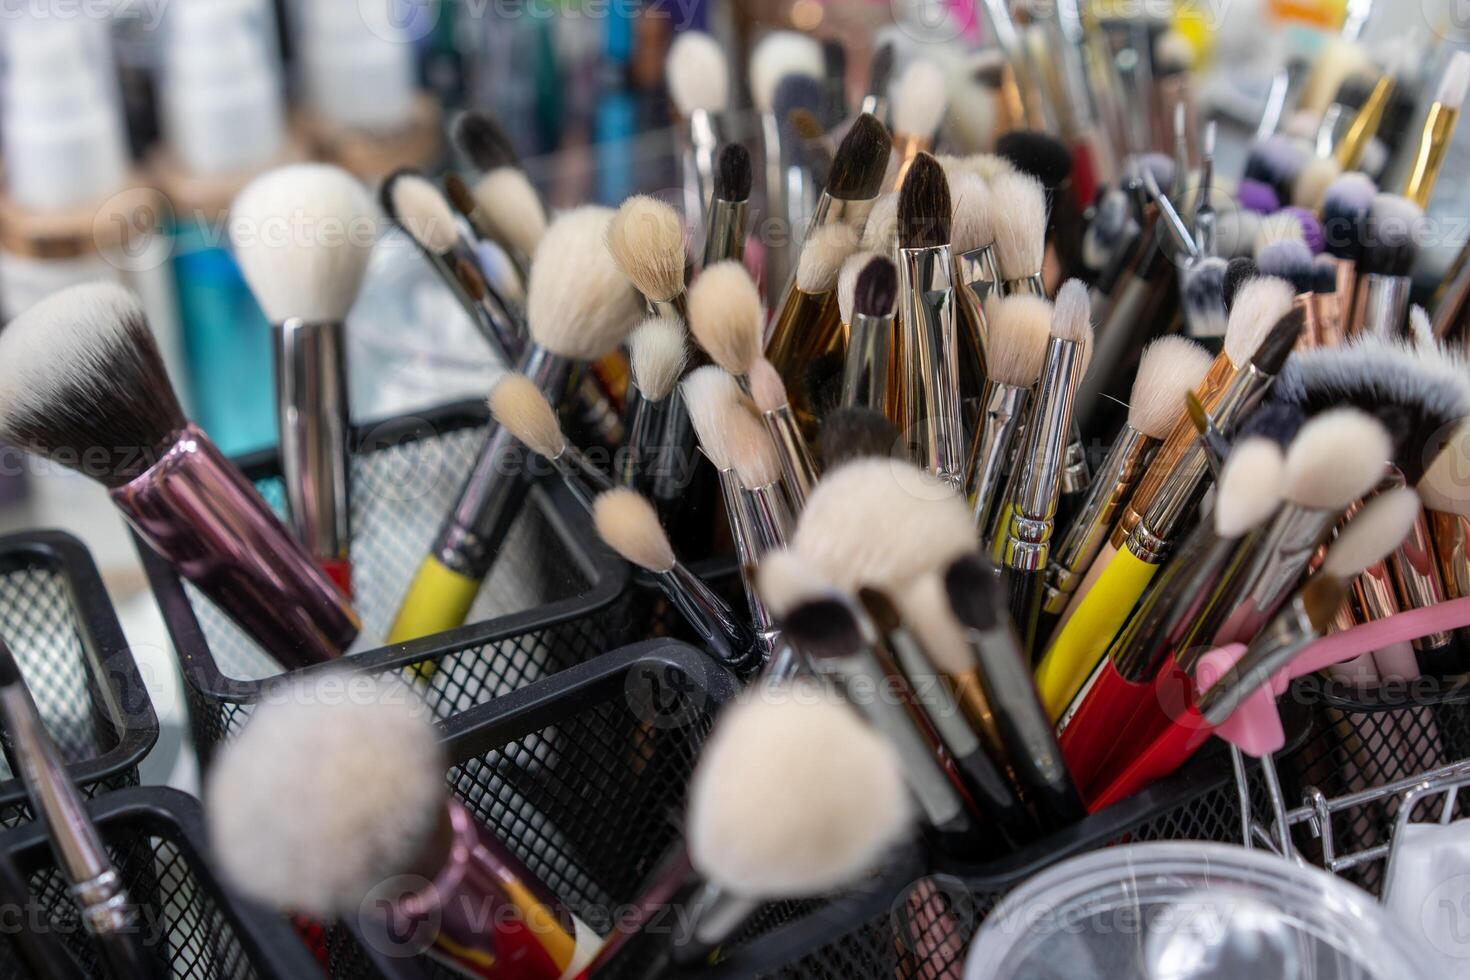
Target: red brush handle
<point x="340" y="572"/>
<point x="1108" y="704"/>
<point x="1169" y="750"/>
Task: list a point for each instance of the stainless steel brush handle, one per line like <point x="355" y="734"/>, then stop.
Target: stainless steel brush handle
<point x="1001" y="412"/>
<point x="312" y="421"/>
<point x="865" y="367"/>
<point x="709" y="616"/>
<point x="931" y="334"/>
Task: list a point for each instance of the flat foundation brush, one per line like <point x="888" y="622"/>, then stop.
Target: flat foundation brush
<point x="306" y="286"/>
<point x="82" y="384"/>
<point x="646" y="239"/>
<point x="725" y="224"/>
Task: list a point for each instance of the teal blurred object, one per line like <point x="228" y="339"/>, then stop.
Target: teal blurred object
<point x="227" y="343"/>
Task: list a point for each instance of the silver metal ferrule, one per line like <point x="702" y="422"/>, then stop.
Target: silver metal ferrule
<point x="931" y="349"/>
<point x="1385" y="306"/>
<point x="1026" y="286"/>
<point x="798" y="469"/>
<point x="748" y="552"/>
<point x="779" y="255"/>
<point x="874" y="105"/>
<point x="1076" y="474"/>
<point x="977" y="270"/>
<point x="1001" y="412"/>
<point x="676" y="308"/>
<point x="707" y="614"/>
<point x="1288" y="633"/>
<point x="768" y="517"/>
<point x="1417" y="574"/>
<point x="501" y="325"/>
<point x="584" y="479"/>
<point x="865" y="368"/>
<point x="1044" y="451"/>
<point x="313" y="422"/>
<point x="704" y="135"/>
<point x="725" y="232"/>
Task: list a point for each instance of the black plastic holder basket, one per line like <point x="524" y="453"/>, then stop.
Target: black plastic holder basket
<point x="192" y="923"/>
<point x="556" y="597"/>
<point x="64" y="633"/>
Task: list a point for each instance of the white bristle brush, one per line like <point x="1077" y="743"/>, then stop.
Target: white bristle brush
<point x="880" y="232"/>
<point x="725" y="316"/>
<point x="514" y="209"/>
<point x="1259" y="305"/>
<point x="822" y="256"/>
<point x="973" y="206"/>
<point x="917" y="101"/>
<point x="658" y="351"/>
<point x="1019" y="226"/>
<point x="777" y="55"/>
<point x="847" y="278"/>
<point x="646" y="238"/>
<point x="786" y="580"/>
<point x="1019" y="331"/>
<point x="1373" y="534"/>
<point x="698" y="73"/>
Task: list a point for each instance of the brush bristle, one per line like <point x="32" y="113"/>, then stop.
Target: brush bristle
<point x="882" y="523"/>
<point x="480" y="138"/>
<point x="708" y="393"/>
<point x="519" y="406"/>
<point x="1455" y="82"/>
<point x="1277" y="421"/>
<point x="971" y="121"/>
<point x="972" y="208"/>
<point x="1314" y="181"/>
<point x="876" y="292"/>
<point x="857" y="433"/>
<point x="1071" y="317"/>
<point x="917" y="99"/>
<point x="806" y="125"/>
<point x="1336" y="458"/>
<point x="1203" y="297"/>
<point x="1238" y="272"/>
<point x="800" y="92"/>
<point x="1041" y="155"/>
<point x="822" y="383"/>
<point x="1020" y="327"/>
<point x="1112" y="217"/>
<point x="82" y="383"/>
<point x="1445" y="485"/>
<point x="728" y="429"/>
<point x="1236" y="230"/>
<point x="928" y="612"/>
<point x="1344" y="213"/>
<point x="1281" y="226"/>
<point x="924" y="208"/>
<point x="699" y="76"/>
<point x="646" y="238"/>
<point x="1379" y="528"/>
<point x="1250" y="486"/>
<point x="1169" y="369"/>
<point x="766" y="386"/>
<point x="860" y="162"/>
<point x="1271" y="356"/>
<point x="880" y="69"/>
<point x="1276" y="161"/>
<point x="733" y="175"/>
<point x="579" y="304"/>
<point x="423" y="212"/>
<point x="1395" y="229"/>
<point x="785" y="581"/>
<point x="627" y="523"/>
<point x="777" y="55"/>
<point x="1290" y="260"/>
<point x="513" y="208"/>
<point x="1321" y="598"/>
<point x="1421" y="330"/>
<point x="1019" y="225"/>
<point x="1259" y="305"/>
<point x="658" y="354"/>
<point x="335" y="785"/>
<point x="794" y="795"/>
<point x="822" y="255"/>
<point x="1173" y="53"/>
<point x="852" y="267"/>
<point x="460" y="196"/>
<point x="880" y="231"/>
<point x="315" y="273"/>
<point x="989" y="166"/>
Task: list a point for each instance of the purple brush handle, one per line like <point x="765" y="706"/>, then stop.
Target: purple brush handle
<point x="201" y="514"/>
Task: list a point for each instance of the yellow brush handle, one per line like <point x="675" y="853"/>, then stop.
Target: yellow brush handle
<point x="1078" y="648"/>
<point x="437" y="600"/>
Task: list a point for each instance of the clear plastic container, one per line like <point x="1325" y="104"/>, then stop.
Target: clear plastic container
<point x="1190" y="911"/>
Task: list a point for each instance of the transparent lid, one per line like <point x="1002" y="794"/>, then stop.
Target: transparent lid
<point x="1189" y="911"/>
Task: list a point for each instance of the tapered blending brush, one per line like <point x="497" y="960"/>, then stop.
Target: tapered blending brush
<point x="794" y="796"/>
<point x="975" y="273"/>
<point x="725" y="317"/>
<point x="109" y="916"/>
<point x="1023" y="532"/>
<point x="305" y="286"/>
<point x="1439" y="130"/>
<point x="699" y="84"/>
<point x="1019" y="225"/>
<point x="1047" y="158"/>
<point x="1149" y="526"/>
<point x="520" y="407"/>
<point x="725" y="220"/>
<point x="930" y="327"/>
<point x="579" y="307"/>
<point x="870" y="338"/>
<point x="371" y="830"/>
<point x="857" y="433"/>
<point x="1170" y="368"/>
<point x="798" y="470"/>
<point x="847" y="283"/>
<point x="1020" y="330"/>
<point x="856" y="177"/>
<point x="1141" y="654"/>
<point x="659" y="430"/>
<point x="880" y="74"/>
<point x="1390" y="249"/>
<point x="82" y="384"/>
<point x="646" y="239"/>
<point x="628" y="524"/>
<point x="514" y="215"/>
<point x="917" y="102"/>
<point x="808" y="322"/>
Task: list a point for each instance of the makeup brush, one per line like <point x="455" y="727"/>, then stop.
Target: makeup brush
<point x="1447" y="508"/>
<point x="856" y="176"/>
<point x="1170" y="368"/>
<point x="801" y="108"/>
<point x="109" y="916"/>
<point x="1276" y="162"/>
<point x="1312" y="183"/>
<point x="972" y="241"/>
<point x="646" y="239"/>
<point x="1020" y="232"/>
<point x="579" y="307"/>
<point x="514" y="214"/>
<point x="880" y="73"/>
<point x="847" y="283"/>
<point x="929" y="346"/>
<point x="1048" y="159"/>
<point x="305" y="285"/>
<point x="1390" y="249"/>
<point x="1345" y="208"/>
<point x="725" y="228"/>
<point x="798" y="470"/>
<point x="627" y="523"/>
<point x="1156" y="512"/>
<point x="808" y="322"/>
<point x="659" y="430"/>
<point x="855" y="432"/>
<point x="1439" y="130"/>
<point x="1366" y="124"/>
<point x="870" y="338"/>
<point x="1020" y="331"/>
<point x="699" y="85"/>
<point x="1142" y="653"/>
<point x="917" y="101"/>
<point x="521" y="408"/>
<point x="725" y="316"/>
<point x="1202" y="299"/>
<point x="82" y="384"/>
<point x="1238" y="272"/>
<point x="794" y="796"/>
<point x="368" y="806"/>
<point x="880" y="231"/>
<point x="1023" y="532"/>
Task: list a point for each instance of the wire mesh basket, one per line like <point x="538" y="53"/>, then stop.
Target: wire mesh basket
<point x="156" y="839"/>
<point x="556" y="597"/>
<point x="56" y="618"/>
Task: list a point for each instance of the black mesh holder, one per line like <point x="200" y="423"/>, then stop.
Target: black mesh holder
<point x="55" y="615"/>
<point x="555" y="598"/>
<point x="155" y="838"/>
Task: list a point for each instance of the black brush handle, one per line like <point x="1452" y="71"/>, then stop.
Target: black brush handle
<point x="1025" y="592"/>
